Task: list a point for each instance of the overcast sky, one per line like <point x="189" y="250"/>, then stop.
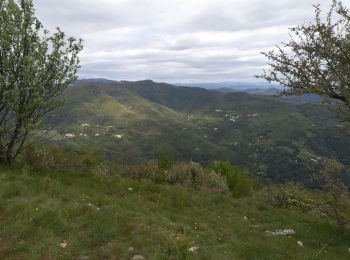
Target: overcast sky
<point x="175" y="40"/>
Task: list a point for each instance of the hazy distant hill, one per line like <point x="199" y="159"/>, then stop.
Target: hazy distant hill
<point x="263" y="91"/>
<point x="255" y="88"/>
<point x="135" y="121"/>
<point x="253" y="91"/>
<point x="238" y="86"/>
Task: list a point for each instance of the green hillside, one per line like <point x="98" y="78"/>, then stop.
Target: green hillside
<point x="65" y="215"/>
<point x="136" y="121"/>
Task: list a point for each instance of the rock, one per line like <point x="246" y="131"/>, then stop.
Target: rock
<point x="245" y="218"/>
<point x="83" y="257"/>
<point x="280" y="232"/>
<point x="299" y="243"/>
<point x="130" y="189"/>
<point x="138" y="257"/>
<point x="63" y="244"/>
<point x="193" y="249"/>
<point x="130" y="249"/>
<point x="69" y="135"/>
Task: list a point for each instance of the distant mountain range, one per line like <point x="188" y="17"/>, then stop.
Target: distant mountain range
<point x="238" y="86"/>
<point x="253" y="91"/>
<point x="254" y="88"/>
<point x="136" y="121"/>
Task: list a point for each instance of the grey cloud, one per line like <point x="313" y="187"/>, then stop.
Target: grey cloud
<point x="178" y="40"/>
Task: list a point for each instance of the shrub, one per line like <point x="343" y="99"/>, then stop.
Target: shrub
<point x="37" y="156"/>
<point x="165" y="161"/>
<point x="332" y="202"/>
<point x="41" y="157"/>
<point x="239" y="181"/>
<point x="164" y="170"/>
<point x="336" y="204"/>
<point x="147" y="170"/>
<point x="93" y="164"/>
<point x="289" y="195"/>
<point x="184" y="174"/>
<point x="193" y="175"/>
<point x="176" y="246"/>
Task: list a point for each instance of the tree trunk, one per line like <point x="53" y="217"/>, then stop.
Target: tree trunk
<point x="10" y="153"/>
<point x="2" y="149"/>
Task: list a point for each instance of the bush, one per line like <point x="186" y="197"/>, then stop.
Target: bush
<point x="145" y="171"/>
<point x="193" y="175"/>
<point x="164" y="170"/>
<point x="289" y="195"/>
<point x="332" y="202"/>
<point x="336" y="204"/>
<point x="239" y="181"/>
<point x="165" y="161"/>
<point x="43" y="157"/>
<point x="93" y="164"/>
<point x="182" y="174"/>
<point x="38" y="157"/>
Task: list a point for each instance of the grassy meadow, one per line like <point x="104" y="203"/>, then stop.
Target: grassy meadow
<point x="67" y="215"/>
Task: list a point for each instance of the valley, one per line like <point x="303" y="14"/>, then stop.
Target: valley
<point x="137" y="121"/>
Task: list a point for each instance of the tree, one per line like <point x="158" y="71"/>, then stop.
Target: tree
<point x="336" y="204"/>
<point x="35" y="68"/>
<point x="317" y="57"/>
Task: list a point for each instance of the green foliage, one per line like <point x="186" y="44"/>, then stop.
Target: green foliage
<point x="336" y="203"/>
<point x="90" y="163"/>
<point x="239" y="181"/>
<point x="42" y="157"/>
<point x="35" y="69"/>
<point x="165" y="161"/>
<point x="288" y="196"/>
<point x="317" y="57"/>
<point x="332" y="201"/>
<point x="182" y="173"/>
<point x="39" y="156"/>
<point x="142" y="171"/>
<point x="193" y="175"/>
<point x="278" y="144"/>
<point x="176" y="246"/>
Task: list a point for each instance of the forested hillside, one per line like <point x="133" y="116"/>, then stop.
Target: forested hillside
<point x="136" y="121"/>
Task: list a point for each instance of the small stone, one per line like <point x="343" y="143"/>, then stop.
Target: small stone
<point x="245" y="218"/>
<point x="131" y="249"/>
<point x="299" y="243"/>
<point x="138" y="257"/>
<point x="130" y="189"/>
<point x="193" y="249"/>
<point x="280" y="232"/>
<point x="64" y="244"/>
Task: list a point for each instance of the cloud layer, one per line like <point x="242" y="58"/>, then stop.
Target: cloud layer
<point x="178" y="40"/>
